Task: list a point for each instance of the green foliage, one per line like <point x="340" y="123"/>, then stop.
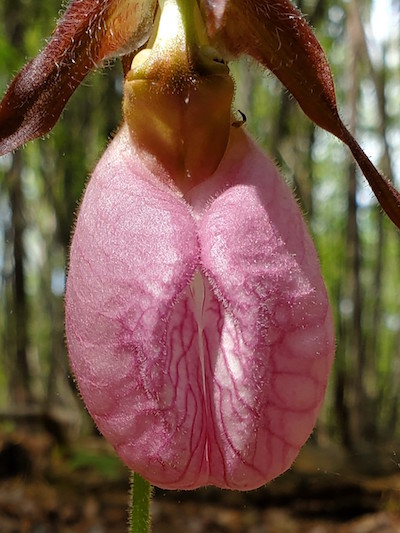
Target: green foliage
<point x="107" y="465"/>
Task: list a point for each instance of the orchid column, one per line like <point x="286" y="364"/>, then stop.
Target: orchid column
<point x="198" y="324"/>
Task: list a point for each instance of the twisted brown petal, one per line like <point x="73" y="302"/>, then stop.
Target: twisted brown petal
<point x="275" y="34"/>
<point x="89" y="31"/>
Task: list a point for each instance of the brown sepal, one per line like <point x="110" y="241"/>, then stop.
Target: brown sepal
<point x="385" y="192"/>
<point x="89" y="32"/>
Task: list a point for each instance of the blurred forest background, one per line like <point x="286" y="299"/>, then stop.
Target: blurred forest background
<point x="359" y="249"/>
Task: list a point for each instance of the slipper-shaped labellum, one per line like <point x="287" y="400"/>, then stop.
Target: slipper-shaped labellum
<point x="198" y="327"/>
<point x="197" y="322"/>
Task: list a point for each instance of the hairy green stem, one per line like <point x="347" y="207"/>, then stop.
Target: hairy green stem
<point x="140" y="504"/>
<point x="177" y="25"/>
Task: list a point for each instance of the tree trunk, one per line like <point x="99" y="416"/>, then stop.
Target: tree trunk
<point x="20" y="386"/>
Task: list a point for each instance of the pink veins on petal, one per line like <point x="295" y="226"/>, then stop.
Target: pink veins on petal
<point x="198" y="327"/>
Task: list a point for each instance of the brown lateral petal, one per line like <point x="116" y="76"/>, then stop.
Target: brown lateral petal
<point x="386" y="194"/>
<point x="275" y="34"/>
<point x="89" y="31"/>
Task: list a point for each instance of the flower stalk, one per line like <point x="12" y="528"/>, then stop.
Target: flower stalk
<point x="139" y="521"/>
<point x="176" y="28"/>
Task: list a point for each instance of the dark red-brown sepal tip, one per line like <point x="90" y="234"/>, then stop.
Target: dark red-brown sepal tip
<point x="87" y="33"/>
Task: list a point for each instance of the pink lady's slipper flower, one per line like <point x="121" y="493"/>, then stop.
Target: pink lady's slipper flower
<point x="198" y="324"/>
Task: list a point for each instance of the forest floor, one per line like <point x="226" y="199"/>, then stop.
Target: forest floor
<point x="45" y="488"/>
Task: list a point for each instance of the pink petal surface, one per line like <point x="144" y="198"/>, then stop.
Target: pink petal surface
<point x="198" y="328"/>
